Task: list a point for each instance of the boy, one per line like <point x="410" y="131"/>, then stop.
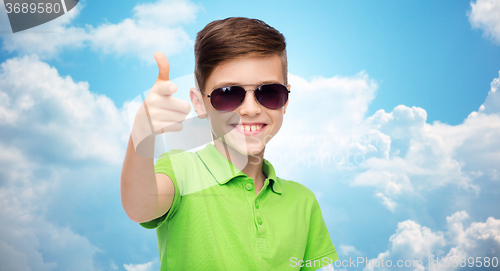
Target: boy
<point x="223" y="208"/>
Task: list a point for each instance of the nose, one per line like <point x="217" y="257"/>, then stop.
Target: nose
<point x="249" y="107"/>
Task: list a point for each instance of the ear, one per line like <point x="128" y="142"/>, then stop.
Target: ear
<point x="197" y="101"/>
<point x="284" y="107"/>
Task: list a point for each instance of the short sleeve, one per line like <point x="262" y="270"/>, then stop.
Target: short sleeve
<point x="319" y="245"/>
<point x="164" y="165"/>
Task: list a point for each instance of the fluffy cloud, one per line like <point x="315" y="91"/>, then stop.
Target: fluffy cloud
<point x="424" y="156"/>
<point x="422" y="249"/>
<point x="55" y="119"/>
<point x="485" y="15"/>
<point x="153" y="27"/>
<point x="51" y="128"/>
<point x="319" y="129"/>
<point x="397" y="153"/>
<point x="29" y="242"/>
<point x="492" y="103"/>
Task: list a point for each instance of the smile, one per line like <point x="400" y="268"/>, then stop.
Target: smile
<point x="249" y="129"/>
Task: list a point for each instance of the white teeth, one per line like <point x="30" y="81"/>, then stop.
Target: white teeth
<point x="249" y="128"/>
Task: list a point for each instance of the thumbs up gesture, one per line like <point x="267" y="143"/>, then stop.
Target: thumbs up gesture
<point x="160" y="112"/>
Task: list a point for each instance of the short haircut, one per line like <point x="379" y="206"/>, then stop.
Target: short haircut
<point x="232" y="38"/>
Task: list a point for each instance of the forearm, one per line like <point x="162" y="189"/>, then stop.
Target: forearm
<point x="138" y="185"/>
<point x="144" y="194"/>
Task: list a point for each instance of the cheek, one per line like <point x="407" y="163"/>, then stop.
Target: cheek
<point x="214" y="119"/>
<point x="277" y="118"/>
<point x="219" y="122"/>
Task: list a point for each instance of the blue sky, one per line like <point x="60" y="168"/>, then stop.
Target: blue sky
<point x="408" y="88"/>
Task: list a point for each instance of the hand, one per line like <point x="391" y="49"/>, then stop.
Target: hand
<point x="165" y="111"/>
<point x="160" y="112"/>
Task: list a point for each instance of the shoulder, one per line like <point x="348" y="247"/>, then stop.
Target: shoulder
<point x="175" y="157"/>
<point x="177" y="154"/>
<point x="297" y="189"/>
<point x="176" y="164"/>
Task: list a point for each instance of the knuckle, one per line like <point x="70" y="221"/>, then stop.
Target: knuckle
<point x="181" y="117"/>
<point x="168" y="87"/>
<point x="153" y="112"/>
<point x="163" y="88"/>
<point x="173" y="87"/>
<point x="152" y="99"/>
<point x="186" y="107"/>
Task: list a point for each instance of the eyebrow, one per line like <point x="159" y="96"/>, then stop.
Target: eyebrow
<point x="225" y="84"/>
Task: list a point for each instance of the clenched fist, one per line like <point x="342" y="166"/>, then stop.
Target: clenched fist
<point x="160" y="112"/>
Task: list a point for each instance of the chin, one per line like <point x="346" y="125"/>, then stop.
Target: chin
<point x="243" y="144"/>
<point x="247" y="149"/>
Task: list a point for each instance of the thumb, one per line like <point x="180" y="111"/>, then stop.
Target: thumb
<point x="163" y="66"/>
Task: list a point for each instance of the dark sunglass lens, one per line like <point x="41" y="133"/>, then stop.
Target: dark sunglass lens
<point x="272" y="96"/>
<point x="227" y="98"/>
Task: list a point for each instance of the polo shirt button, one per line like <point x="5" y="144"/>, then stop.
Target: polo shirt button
<point x="257" y="205"/>
<point x="249" y="186"/>
<point x="259" y="220"/>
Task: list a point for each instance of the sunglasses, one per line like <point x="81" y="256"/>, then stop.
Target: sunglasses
<point x="272" y="96"/>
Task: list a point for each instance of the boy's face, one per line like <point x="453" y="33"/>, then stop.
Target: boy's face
<point x="267" y="122"/>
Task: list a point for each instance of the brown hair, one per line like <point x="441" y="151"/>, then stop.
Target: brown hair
<point x="232" y="38"/>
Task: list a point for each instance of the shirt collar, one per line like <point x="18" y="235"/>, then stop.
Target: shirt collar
<point x="224" y="171"/>
<point x="268" y="170"/>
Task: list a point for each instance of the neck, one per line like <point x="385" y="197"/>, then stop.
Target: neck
<point x="251" y="165"/>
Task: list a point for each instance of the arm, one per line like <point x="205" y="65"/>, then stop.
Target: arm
<point x="319" y="245"/>
<point x="144" y="194"/>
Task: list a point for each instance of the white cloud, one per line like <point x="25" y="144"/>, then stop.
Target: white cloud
<point x="153" y="27"/>
<point x="387" y="202"/>
<point x="48" y="113"/>
<point x="420" y="245"/>
<point x="51" y="128"/>
<point x="492" y="103"/>
<point x="478" y="240"/>
<point x="397" y="153"/>
<point x="485" y="15"/>
<point x="166" y="12"/>
<point x="27" y="239"/>
<point x="312" y="101"/>
<point x="348" y="250"/>
<point x="140" y="267"/>
<point x="318" y="129"/>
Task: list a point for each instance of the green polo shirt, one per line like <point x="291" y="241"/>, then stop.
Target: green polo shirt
<point x="217" y="222"/>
